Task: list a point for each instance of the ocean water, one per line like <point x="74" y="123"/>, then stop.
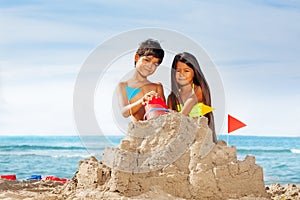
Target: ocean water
<point x="59" y="156"/>
<point x="279" y="156"/>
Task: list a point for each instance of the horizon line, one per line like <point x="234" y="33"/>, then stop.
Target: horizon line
<point x="122" y="135"/>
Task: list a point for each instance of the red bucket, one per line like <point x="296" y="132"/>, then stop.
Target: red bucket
<point x="9" y="177"/>
<point x="155" y="107"/>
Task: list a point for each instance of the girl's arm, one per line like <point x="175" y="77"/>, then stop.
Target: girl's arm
<point x="192" y="100"/>
<point x="188" y="105"/>
<point x="198" y="92"/>
<point x="169" y="103"/>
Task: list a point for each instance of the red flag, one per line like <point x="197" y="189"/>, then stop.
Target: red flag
<point x="234" y="124"/>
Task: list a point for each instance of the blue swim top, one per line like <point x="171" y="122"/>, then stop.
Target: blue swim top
<point x="132" y="92"/>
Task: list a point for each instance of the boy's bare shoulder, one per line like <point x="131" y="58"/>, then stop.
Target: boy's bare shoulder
<point x="151" y="84"/>
<point x="123" y="84"/>
<point x="157" y="84"/>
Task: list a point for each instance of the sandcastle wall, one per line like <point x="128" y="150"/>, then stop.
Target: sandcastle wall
<point x="172" y="155"/>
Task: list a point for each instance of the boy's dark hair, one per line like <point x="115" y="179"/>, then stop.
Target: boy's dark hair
<point x="151" y="47"/>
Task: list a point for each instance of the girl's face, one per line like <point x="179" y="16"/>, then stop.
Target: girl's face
<point x="146" y="65"/>
<point x="184" y="74"/>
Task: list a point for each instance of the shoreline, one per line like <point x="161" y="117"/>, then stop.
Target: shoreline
<point x="122" y="135"/>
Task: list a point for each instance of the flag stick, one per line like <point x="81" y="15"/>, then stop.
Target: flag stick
<point x="227" y="139"/>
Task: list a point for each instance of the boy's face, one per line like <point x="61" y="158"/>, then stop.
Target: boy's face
<point x="146" y="65"/>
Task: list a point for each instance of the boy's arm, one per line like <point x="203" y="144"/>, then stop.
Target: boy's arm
<point x="123" y="99"/>
<point x="160" y="91"/>
<point x="125" y="106"/>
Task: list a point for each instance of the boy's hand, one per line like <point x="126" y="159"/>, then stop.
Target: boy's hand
<point x="148" y="97"/>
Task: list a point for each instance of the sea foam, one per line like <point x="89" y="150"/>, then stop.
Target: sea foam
<point x="295" y="150"/>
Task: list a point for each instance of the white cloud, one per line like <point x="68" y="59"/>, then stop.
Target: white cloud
<point x="44" y="108"/>
<point x="16" y="73"/>
<point x="30" y="25"/>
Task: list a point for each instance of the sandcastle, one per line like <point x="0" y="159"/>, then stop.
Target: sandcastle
<point x="168" y="157"/>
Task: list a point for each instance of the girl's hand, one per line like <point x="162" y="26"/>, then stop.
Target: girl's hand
<point x="148" y="97"/>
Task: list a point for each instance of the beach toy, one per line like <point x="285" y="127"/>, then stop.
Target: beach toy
<point x="54" y="178"/>
<point x="155" y="107"/>
<point x="9" y="177"/>
<point x="35" y="177"/>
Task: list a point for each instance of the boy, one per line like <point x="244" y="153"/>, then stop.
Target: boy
<point x="138" y="90"/>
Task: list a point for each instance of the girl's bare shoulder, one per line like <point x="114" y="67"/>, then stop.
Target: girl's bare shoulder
<point x="198" y="92"/>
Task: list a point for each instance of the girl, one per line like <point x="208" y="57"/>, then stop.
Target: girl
<point x="189" y="89"/>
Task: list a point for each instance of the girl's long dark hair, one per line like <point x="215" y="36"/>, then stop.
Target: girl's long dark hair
<point x="198" y="80"/>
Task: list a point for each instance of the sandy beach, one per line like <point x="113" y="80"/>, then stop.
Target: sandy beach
<point x="50" y="190"/>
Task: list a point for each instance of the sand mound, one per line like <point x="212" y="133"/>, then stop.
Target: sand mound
<point x="278" y="192"/>
<point x="31" y="189"/>
<point x="170" y="157"/>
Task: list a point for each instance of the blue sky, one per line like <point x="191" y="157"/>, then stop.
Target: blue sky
<point x="254" y="44"/>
